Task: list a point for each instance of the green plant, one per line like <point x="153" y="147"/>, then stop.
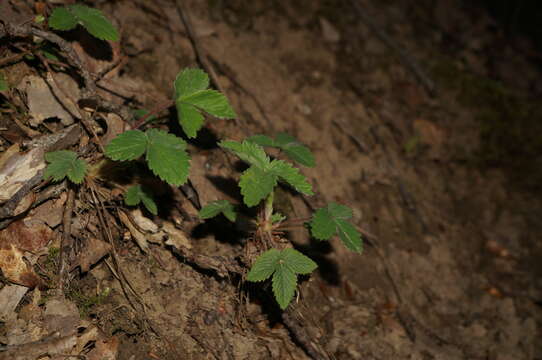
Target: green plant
<point x="68" y="17"/>
<point x="65" y="163"/>
<point x="257" y="184"/>
<point x="165" y="153"/>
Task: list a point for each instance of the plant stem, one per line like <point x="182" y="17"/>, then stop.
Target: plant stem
<point x="268" y="211"/>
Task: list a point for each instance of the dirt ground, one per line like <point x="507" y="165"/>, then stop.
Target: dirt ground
<point x="440" y="167"/>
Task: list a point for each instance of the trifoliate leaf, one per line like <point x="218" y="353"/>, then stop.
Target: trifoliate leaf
<point x="129" y="145"/>
<point x="284" y="266"/>
<point x="255" y="185"/>
<point x="331" y="220"/>
<point x="94" y="22"/>
<point x="295" y="150"/>
<point x="210" y="101"/>
<point x="62" y="19"/>
<point x="289" y="144"/>
<point x="216" y="207"/>
<point x="65" y="163"/>
<point x="167" y="157"/>
<point x="264" y="266"/>
<point x="249" y="152"/>
<point x="291" y="175"/>
<point x="189" y="81"/>
<point x="137" y="194"/>
<point x="192" y="96"/>
<point x="284" y="284"/>
<point x="299" y="263"/>
<point x="3" y="83"/>
<point x="190" y="119"/>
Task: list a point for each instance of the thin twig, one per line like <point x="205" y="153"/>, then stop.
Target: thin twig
<point x="66" y="241"/>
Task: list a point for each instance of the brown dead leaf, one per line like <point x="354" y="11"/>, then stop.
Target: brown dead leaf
<point x="16" y="270"/>
<point x="10" y="296"/>
<point x="104" y="349"/>
<point x="93" y="250"/>
<point x="62" y="316"/>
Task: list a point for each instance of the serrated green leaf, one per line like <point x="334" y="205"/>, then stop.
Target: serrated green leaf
<point x="3" y="83"/>
<point x="210" y="101"/>
<point x="322" y="224"/>
<point x="339" y="211"/>
<point x="189" y="81"/>
<point x="94" y="22"/>
<point x="264" y="266"/>
<point x="284" y="284"/>
<point x="348" y="234"/>
<point x="255" y="185"/>
<point x="216" y="207"/>
<point x="300" y="154"/>
<point x="65" y="163"/>
<point x="291" y="175"/>
<point x="136" y="194"/>
<point x="129" y="145"/>
<point x="294" y="149"/>
<point x="62" y="19"/>
<point x="167" y="157"/>
<point x="190" y="119"/>
<point x="299" y="263"/>
<point x="331" y="220"/>
<point x="261" y="140"/>
<point x="248" y="151"/>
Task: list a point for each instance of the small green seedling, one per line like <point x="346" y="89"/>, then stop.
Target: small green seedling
<point x="258" y="183"/>
<point x="68" y="17"/>
<point x="164" y="152"/>
<point x="65" y="163"/>
<point x="137" y="194"/>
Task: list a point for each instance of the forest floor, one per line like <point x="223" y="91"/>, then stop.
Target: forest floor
<point x="440" y="168"/>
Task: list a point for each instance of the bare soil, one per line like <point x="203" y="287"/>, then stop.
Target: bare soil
<point x="451" y="261"/>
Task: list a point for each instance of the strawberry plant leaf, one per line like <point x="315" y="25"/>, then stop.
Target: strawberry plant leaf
<point x="129" y="145"/>
<point x="167" y="157"/>
<point x="295" y="150"/>
<point x="62" y="19"/>
<point x="261" y="140"/>
<point x="264" y="266"/>
<point x="216" y="207"/>
<point x="136" y="194"/>
<point x="189" y="81"/>
<point x="348" y="234"/>
<point x="284" y="266"/>
<point x="284" y="284"/>
<point x="190" y="119"/>
<point x="291" y="175"/>
<point x="299" y="263"/>
<point x="255" y="185"/>
<point x="94" y="22"/>
<point x="192" y="96"/>
<point x="210" y="101"/>
<point x="331" y="220"/>
<point x="249" y="152"/>
<point x="289" y="144"/>
<point x="65" y="163"/>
